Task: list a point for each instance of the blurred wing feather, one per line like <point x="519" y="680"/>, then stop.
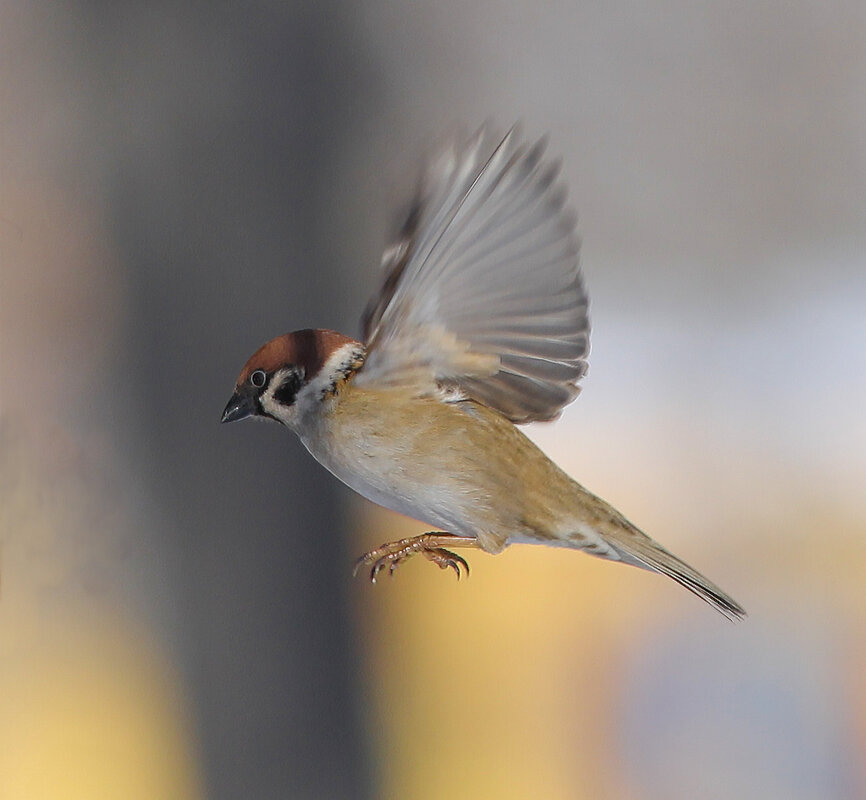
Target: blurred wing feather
<point x="481" y="294"/>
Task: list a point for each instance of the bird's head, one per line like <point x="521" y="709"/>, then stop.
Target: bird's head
<point x="292" y="373"/>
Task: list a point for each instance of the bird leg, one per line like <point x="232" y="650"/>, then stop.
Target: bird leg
<point x="392" y="554"/>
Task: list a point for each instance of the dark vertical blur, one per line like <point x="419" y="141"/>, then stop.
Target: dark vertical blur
<point x="218" y="121"/>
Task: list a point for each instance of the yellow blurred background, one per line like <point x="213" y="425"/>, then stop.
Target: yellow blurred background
<point x="179" y="183"/>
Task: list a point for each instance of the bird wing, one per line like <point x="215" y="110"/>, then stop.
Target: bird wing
<point x="481" y="294"/>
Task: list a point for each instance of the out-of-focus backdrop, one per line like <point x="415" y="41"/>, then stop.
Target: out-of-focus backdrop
<point x="181" y="181"/>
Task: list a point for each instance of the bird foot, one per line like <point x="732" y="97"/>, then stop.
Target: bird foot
<point x="392" y="554"/>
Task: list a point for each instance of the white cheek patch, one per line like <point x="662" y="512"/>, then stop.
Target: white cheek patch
<point x="270" y="405"/>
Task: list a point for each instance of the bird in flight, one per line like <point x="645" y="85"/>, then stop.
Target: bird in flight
<point x="479" y="324"/>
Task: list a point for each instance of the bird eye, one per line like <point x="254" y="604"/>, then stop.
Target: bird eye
<point x="258" y="378"/>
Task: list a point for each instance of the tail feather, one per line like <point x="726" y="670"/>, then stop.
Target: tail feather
<point x="635" y="547"/>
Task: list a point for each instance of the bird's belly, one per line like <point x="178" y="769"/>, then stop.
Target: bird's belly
<point x="383" y="479"/>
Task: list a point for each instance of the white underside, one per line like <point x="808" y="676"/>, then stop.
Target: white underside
<point x="427" y="503"/>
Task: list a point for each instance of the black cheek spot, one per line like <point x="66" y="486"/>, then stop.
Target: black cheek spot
<point x="288" y="390"/>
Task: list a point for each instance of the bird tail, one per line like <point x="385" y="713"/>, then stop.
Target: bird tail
<point x="632" y="546"/>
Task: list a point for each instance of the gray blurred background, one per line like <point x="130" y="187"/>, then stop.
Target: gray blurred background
<point x="180" y="182"/>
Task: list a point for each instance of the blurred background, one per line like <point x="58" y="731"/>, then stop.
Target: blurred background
<point x="180" y="182"/>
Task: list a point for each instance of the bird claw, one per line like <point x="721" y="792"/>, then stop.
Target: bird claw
<point x="392" y="554"/>
<point x="447" y="560"/>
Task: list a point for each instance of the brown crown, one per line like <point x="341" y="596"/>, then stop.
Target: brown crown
<point x="308" y="349"/>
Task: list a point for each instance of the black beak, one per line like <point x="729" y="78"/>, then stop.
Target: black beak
<point x="240" y="406"/>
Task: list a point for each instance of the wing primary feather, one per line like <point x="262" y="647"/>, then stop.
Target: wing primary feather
<point x="454" y="213"/>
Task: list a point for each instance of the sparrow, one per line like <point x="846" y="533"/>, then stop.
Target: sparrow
<point x="480" y="324"/>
